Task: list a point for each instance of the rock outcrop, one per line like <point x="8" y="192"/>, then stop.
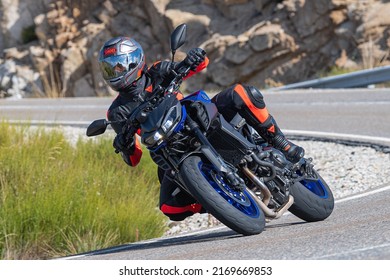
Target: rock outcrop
<point x="49" y="48"/>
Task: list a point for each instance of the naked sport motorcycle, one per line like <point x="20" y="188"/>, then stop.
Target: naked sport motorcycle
<point x="226" y="166"/>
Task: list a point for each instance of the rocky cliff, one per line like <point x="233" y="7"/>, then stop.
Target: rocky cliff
<point x="49" y="48"/>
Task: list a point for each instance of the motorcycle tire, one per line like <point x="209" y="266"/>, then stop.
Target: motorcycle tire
<point x="313" y="199"/>
<point x="235" y="209"/>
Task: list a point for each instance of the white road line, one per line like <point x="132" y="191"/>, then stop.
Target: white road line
<point x="42" y="122"/>
<point x="383" y="189"/>
<point x="52" y="108"/>
<point x="355" y="251"/>
<point x="337" y="135"/>
<point x="287" y="131"/>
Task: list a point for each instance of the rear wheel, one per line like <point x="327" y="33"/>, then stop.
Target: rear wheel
<point x="313" y="199"/>
<point x="236" y="209"/>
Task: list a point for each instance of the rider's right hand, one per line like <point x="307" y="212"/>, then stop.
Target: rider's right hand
<point x="121" y="143"/>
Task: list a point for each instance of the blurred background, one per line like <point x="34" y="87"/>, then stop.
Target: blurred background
<point x="49" y="48"/>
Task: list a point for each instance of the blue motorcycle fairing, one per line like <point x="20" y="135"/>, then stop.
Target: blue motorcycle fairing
<point x="199" y="95"/>
<point x="180" y="126"/>
<point x="204" y="111"/>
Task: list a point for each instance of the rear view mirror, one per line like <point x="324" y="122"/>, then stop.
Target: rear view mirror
<point x="178" y="38"/>
<point x="97" y="127"/>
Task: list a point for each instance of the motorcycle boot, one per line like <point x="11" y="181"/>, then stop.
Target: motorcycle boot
<point x="291" y="151"/>
<point x="270" y="131"/>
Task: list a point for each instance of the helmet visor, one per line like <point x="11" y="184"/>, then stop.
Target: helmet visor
<point x="116" y="66"/>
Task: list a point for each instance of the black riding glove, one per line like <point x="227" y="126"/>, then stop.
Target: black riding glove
<point x="195" y="57"/>
<point x="123" y="144"/>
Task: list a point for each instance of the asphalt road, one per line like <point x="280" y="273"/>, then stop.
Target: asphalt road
<point x="358" y="228"/>
<point x="358" y="111"/>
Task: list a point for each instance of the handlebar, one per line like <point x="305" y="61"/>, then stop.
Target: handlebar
<point x="133" y="122"/>
<point x="176" y="82"/>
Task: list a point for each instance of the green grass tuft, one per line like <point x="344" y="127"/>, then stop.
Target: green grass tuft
<point x="57" y="199"/>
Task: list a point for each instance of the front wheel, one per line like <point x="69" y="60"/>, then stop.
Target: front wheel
<point x="313" y="199"/>
<point x="236" y="209"/>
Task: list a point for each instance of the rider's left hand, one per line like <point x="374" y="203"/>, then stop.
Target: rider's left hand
<point x="195" y="57"/>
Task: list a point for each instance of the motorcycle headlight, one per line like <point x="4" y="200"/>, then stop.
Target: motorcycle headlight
<point x="153" y="139"/>
<point x="169" y="120"/>
<point x="167" y="125"/>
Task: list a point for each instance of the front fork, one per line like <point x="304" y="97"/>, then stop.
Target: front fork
<point x="231" y="174"/>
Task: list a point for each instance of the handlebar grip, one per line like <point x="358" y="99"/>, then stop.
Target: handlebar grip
<point x="133" y="129"/>
<point x="130" y="128"/>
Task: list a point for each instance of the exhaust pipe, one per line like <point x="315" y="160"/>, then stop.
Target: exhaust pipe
<point x="263" y="188"/>
<point x="269" y="213"/>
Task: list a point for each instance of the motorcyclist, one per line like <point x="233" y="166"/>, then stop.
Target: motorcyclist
<point x="122" y="63"/>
